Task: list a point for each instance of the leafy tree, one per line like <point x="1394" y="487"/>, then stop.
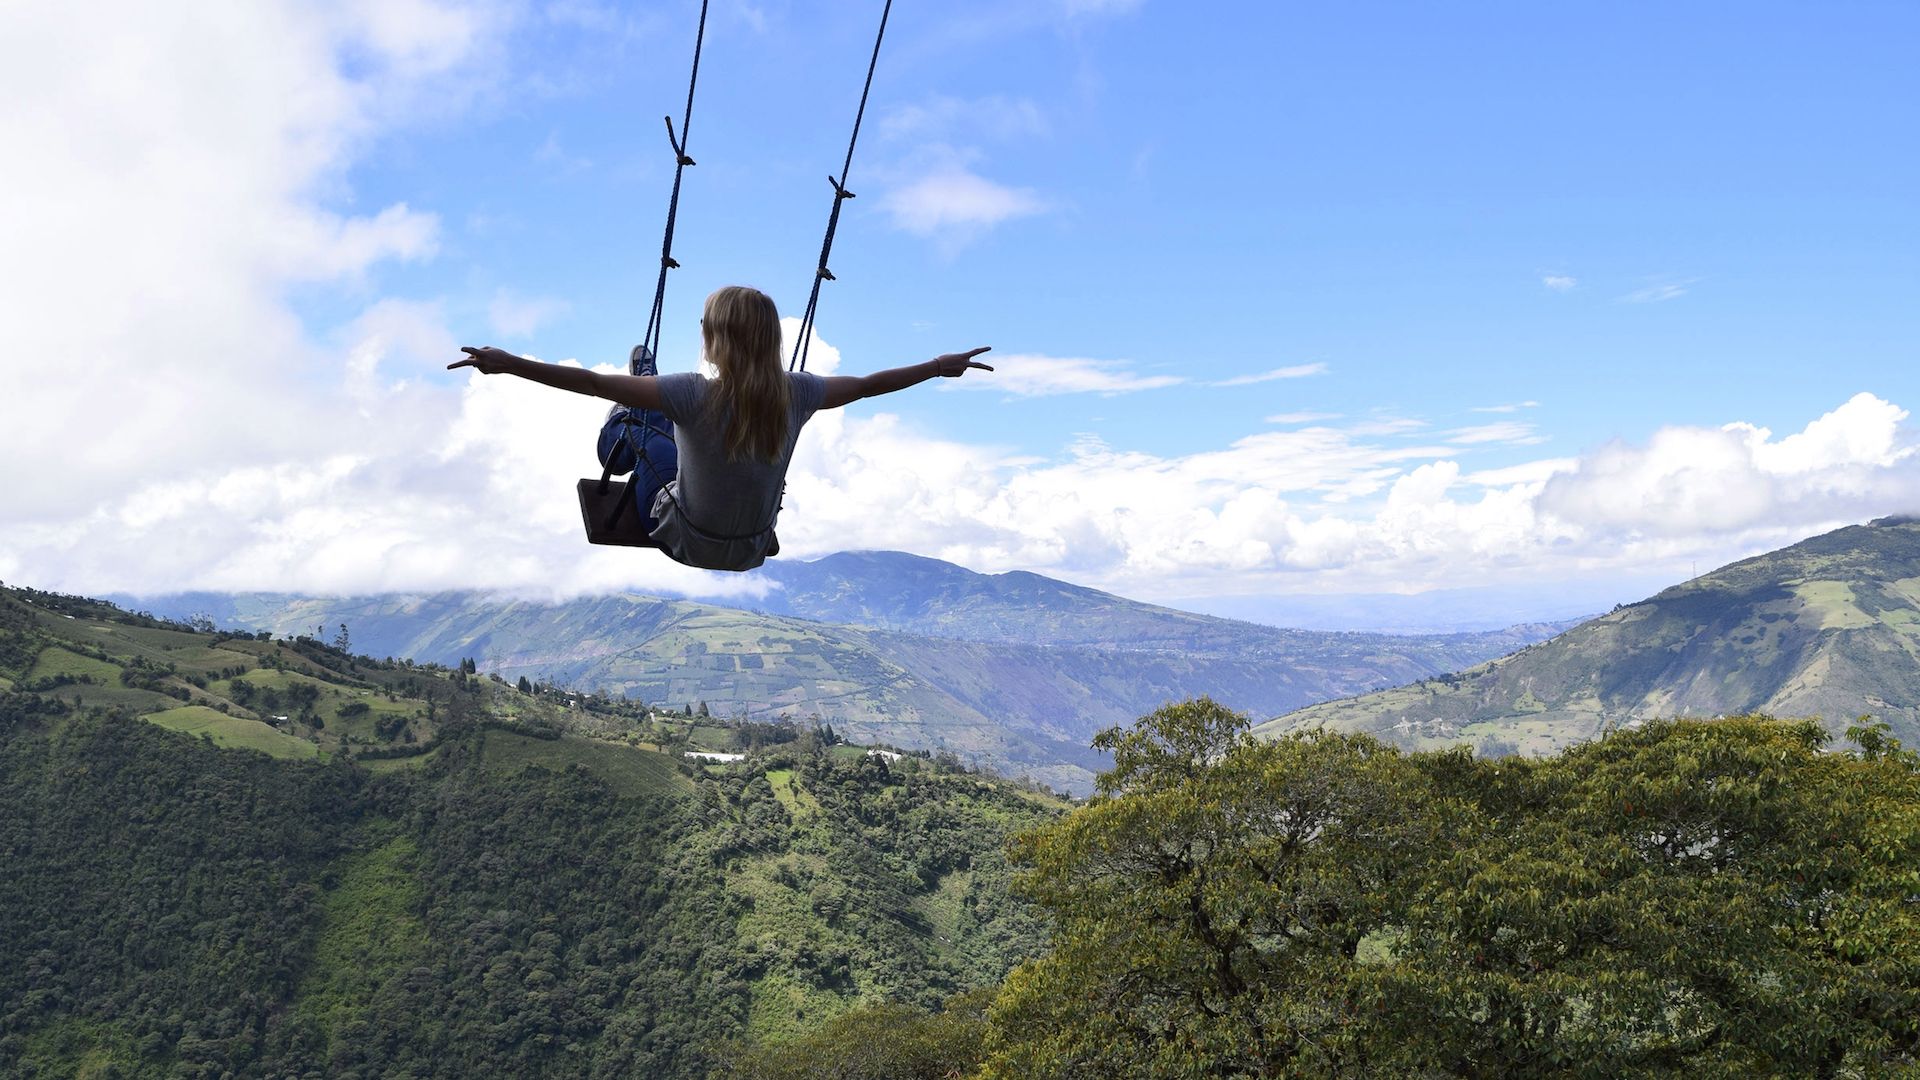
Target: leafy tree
<point x="1691" y="899"/>
<point x="886" y="1041"/>
<point x="1211" y="903"/>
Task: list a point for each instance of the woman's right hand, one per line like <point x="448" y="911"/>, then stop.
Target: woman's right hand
<point x="954" y="365"/>
<point x="485" y="358"/>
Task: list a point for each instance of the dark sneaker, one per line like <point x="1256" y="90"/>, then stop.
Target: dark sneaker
<point x="641" y="361"/>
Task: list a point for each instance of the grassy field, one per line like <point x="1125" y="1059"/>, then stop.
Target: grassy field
<point x="268" y="678"/>
<point x="208" y="662"/>
<point x="55" y="661"/>
<point x="1834" y="602"/>
<point x="710" y="737"/>
<point x="627" y="770"/>
<point x="362" y="728"/>
<point x="390" y="765"/>
<point x="232" y="731"/>
<point x="115" y="697"/>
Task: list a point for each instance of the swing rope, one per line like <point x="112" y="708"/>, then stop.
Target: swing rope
<point x="840" y="195"/>
<point x="649" y="347"/>
<point x="667" y="262"/>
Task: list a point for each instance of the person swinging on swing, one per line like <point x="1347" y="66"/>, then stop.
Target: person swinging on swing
<point x="733" y="435"/>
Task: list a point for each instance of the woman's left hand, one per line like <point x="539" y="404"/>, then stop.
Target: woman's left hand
<point x="486" y="359"/>
<point x="954" y="365"/>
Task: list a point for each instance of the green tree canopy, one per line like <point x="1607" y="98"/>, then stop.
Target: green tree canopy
<point x="1717" y="898"/>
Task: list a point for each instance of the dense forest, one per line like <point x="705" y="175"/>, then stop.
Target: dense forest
<point x="174" y="909"/>
<point x="482" y="891"/>
<point x="411" y="871"/>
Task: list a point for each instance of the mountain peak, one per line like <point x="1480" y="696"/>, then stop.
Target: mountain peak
<point x="1828" y="627"/>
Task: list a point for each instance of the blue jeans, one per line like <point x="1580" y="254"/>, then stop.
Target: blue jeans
<point x="657" y="461"/>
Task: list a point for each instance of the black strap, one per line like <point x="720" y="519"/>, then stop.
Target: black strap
<point x="840" y="195"/>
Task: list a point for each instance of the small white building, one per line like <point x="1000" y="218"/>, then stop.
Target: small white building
<point x="711" y="755"/>
<point x="887" y="755"/>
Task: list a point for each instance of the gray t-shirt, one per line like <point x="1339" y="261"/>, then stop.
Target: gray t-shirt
<point x="719" y="513"/>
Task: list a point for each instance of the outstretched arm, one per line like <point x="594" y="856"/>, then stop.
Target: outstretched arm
<point x="847" y="389"/>
<point x="639" y="391"/>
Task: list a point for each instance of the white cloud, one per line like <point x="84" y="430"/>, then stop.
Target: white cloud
<point x="1853" y="462"/>
<point x="943" y="118"/>
<point x="1095" y="8"/>
<point x="181" y="155"/>
<point x="1387" y="425"/>
<point x="1297" y="371"/>
<point x="1508" y="432"/>
<point x="517" y="316"/>
<point x="1333" y="510"/>
<point x="391" y="342"/>
<point x="955" y="202"/>
<point x="1865" y="430"/>
<point x="1027" y="375"/>
<point x="183" y="158"/>
<point x="822" y="358"/>
<point x="1658" y="292"/>
<point x="1532" y="472"/>
<point x="1509" y="407"/>
<point x="1559" y="282"/>
<point x="552" y="156"/>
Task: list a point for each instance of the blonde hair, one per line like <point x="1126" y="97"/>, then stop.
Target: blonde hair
<point x="742" y="335"/>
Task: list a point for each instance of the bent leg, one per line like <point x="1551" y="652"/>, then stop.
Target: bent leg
<point x="650" y="434"/>
<point x="657" y="461"/>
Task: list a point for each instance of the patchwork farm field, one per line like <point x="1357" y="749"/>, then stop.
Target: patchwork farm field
<point x="233" y="731"/>
<point x="628" y="770"/>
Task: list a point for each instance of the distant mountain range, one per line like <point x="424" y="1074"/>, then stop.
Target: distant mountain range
<point x="1829" y="627"/>
<point x="1013" y="670"/>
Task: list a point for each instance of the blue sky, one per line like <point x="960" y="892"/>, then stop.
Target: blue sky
<point x="1287" y="299"/>
<point x="1382" y="189"/>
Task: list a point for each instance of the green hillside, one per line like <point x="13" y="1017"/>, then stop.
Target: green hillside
<point x="1826" y="628"/>
<point x="228" y="855"/>
<point x="1014" y="671"/>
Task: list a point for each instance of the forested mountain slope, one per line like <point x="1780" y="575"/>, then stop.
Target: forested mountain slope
<point x="1828" y="628"/>
<point x="235" y="856"/>
<point x="1016" y="671"/>
<point x="353" y="868"/>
